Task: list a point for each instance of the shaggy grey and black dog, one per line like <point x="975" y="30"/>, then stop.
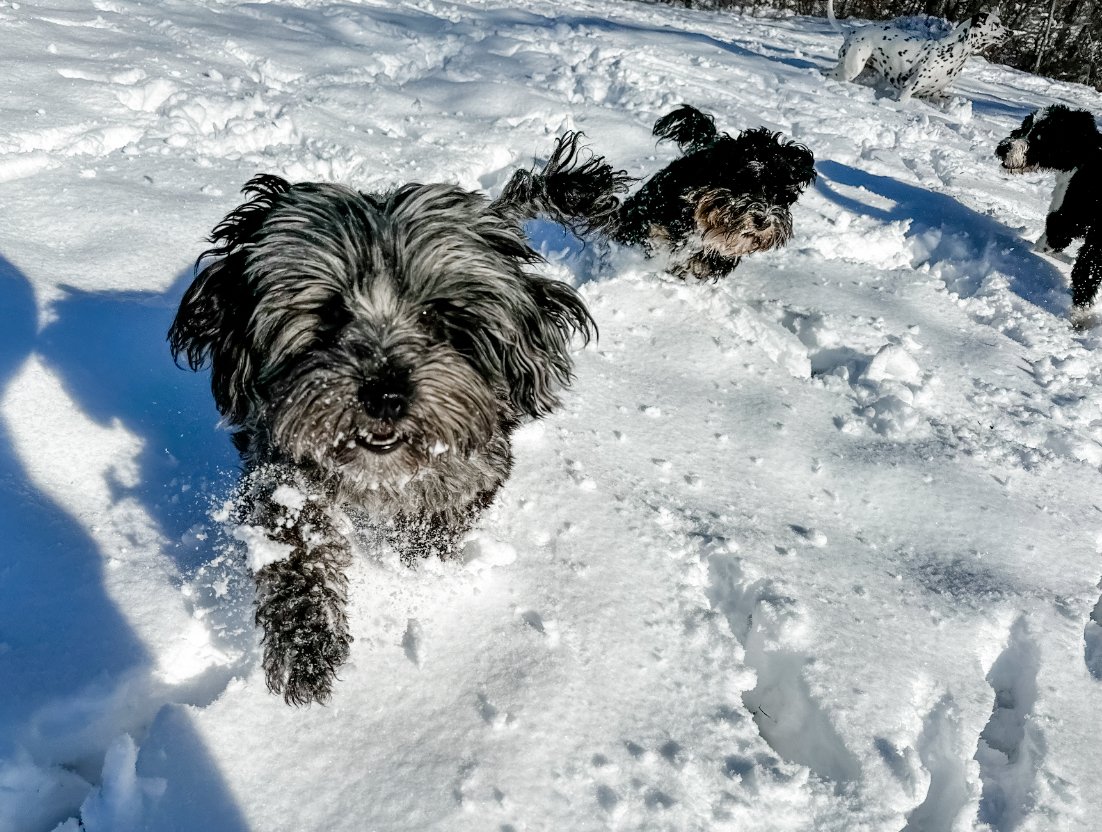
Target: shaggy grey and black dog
<point x="724" y="198"/>
<point x="1067" y="141"/>
<point x="374" y="354"/>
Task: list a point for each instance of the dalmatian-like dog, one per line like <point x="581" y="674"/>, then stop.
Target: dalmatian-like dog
<point x="917" y="64"/>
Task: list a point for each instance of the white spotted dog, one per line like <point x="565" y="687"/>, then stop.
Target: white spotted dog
<point x="917" y="64"/>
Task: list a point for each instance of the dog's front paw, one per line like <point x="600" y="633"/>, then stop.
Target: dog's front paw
<point x="300" y="662"/>
<point x="306" y="634"/>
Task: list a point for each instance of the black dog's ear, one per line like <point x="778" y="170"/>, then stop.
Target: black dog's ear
<point x="211" y="325"/>
<point x="688" y="127"/>
<point x="539" y="364"/>
<point x="802" y="163"/>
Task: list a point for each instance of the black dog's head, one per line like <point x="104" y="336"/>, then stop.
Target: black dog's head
<point x="368" y="335"/>
<point x="744" y="204"/>
<point x="1052" y="138"/>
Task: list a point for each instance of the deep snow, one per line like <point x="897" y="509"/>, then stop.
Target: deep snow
<point x="813" y="548"/>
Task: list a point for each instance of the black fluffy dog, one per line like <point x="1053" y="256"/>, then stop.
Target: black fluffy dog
<point x="1066" y="141"/>
<point x="374" y="353"/>
<point x="724" y="198"/>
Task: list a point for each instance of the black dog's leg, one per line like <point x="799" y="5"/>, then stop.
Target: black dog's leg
<point x="1072" y="219"/>
<point x="1086" y="274"/>
<point x="707" y="265"/>
<point x="436" y="535"/>
<point x="300" y="597"/>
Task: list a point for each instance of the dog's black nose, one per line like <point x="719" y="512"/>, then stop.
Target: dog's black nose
<point x="386" y="397"/>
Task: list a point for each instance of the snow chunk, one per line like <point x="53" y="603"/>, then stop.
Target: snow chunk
<point x="482" y="553"/>
<point x="261" y="550"/>
<point x="289" y="497"/>
<point x="893" y="362"/>
<point x="118" y="805"/>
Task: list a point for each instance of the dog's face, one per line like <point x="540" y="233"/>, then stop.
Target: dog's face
<point x="985" y="30"/>
<point x="368" y="336"/>
<point x="1053" y="138"/>
<point x="747" y="209"/>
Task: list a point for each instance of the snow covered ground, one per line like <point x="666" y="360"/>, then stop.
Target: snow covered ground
<point x="815" y="548"/>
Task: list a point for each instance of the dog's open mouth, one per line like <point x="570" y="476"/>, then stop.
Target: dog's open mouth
<point x="380" y="441"/>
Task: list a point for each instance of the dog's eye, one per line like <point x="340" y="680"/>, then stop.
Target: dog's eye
<point x="431" y="319"/>
<point x="334" y="316"/>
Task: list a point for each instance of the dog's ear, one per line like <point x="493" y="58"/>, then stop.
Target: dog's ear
<point x="801" y="163"/>
<point x="211" y="325"/>
<point x="539" y="364"/>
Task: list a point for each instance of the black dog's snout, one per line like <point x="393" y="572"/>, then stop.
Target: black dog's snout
<point x="386" y="396"/>
<point x="1002" y="148"/>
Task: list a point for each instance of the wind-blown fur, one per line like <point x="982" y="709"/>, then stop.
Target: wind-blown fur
<point x="916" y="64"/>
<point x="1067" y="141"/>
<point x="374" y="353"/>
<point x="724" y="198"/>
<point x="574" y="188"/>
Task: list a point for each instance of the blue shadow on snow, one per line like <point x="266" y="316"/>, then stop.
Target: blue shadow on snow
<point x="963" y="233"/>
<point x="61" y="635"/>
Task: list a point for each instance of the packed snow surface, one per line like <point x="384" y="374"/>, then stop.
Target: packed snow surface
<point x="816" y="547"/>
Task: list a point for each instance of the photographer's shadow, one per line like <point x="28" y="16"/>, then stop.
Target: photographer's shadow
<point x="110" y="351"/>
<point x="59" y="630"/>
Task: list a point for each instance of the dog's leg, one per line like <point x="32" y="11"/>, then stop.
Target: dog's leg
<point x="436" y="535"/>
<point x="1086" y="274"/>
<point x="907" y="91"/>
<point x="707" y="264"/>
<point x="852" y="58"/>
<point x="300" y="595"/>
<point x="1059" y="193"/>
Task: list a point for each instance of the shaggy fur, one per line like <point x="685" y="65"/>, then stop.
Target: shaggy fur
<point x="724" y="198"/>
<point x="1067" y="141"/>
<point x="374" y="353"/>
<point x="915" y="64"/>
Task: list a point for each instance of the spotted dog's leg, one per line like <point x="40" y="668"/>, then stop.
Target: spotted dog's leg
<point x="907" y="91"/>
<point x="852" y="57"/>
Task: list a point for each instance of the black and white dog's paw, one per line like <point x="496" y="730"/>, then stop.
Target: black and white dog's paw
<point x="302" y="666"/>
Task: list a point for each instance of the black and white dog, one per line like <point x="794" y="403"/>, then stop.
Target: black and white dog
<point x="1067" y="141"/>
<point x="374" y="353"/>
<point x="917" y="64"/>
<point x="724" y="198"/>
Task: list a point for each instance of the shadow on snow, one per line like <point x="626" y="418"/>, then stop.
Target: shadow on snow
<point x="959" y="235"/>
<point x="64" y="645"/>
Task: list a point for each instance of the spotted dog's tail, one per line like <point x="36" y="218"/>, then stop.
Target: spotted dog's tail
<point x="574" y="187"/>
<point x="686" y="126"/>
<point x="834" y="24"/>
